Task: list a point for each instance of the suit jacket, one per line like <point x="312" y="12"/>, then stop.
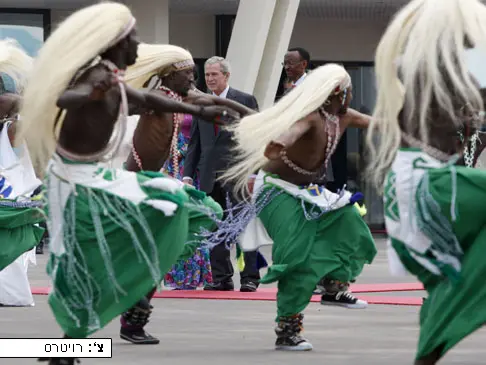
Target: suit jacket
<point x="209" y="153"/>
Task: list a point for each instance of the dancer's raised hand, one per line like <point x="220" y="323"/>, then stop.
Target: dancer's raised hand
<point x="273" y="150"/>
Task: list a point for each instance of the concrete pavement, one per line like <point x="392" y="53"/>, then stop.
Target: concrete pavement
<point x="210" y="332"/>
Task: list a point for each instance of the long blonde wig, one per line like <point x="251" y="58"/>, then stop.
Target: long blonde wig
<point x="422" y="51"/>
<point x="253" y="133"/>
<point x="156" y="59"/>
<point x="15" y="63"/>
<point x="78" y="40"/>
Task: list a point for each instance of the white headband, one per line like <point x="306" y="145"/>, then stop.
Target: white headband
<point x="177" y="66"/>
<point x="183" y="64"/>
<point x="126" y="31"/>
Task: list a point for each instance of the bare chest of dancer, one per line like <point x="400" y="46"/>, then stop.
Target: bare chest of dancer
<point x="308" y="152"/>
<point x="152" y="139"/>
<point x="89" y="122"/>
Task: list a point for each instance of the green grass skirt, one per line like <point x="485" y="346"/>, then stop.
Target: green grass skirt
<point x="18" y="232"/>
<point x="454" y="310"/>
<point x="116" y="251"/>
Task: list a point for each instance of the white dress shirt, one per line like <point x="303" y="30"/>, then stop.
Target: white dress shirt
<point x="299" y="81"/>
<point x="224" y="93"/>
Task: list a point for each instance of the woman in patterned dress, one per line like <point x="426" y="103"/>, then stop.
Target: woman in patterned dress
<point x="196" y="271"/>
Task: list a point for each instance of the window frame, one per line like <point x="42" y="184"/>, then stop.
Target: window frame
<point x="46" y="16"/>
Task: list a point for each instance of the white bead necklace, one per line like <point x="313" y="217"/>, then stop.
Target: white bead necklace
<point x="332" y="129"/>
<point x="177" y="118"/>
<point x="469" y="153"/>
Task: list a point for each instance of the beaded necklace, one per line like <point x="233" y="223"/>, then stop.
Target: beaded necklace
<point x="431" y="151"/>
<point x="469" y="153"/>
<point x="333" y="135"/>
<point x="333" y="132"/>
<point x="174" y="153"/>
<point x="177" y="118"/>
<point x="332" y="129"/>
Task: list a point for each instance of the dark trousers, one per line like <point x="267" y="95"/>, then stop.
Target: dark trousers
<point x="221" y="265"/>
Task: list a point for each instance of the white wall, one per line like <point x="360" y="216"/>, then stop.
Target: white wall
<point x="197" y="33"/>
<point x="324" y="39"/>
<point x="337" y="40"/>
<point x="194" y="32"/>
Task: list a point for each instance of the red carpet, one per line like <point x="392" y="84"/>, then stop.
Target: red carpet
<point x="269" y="294"/>
<point x="384" y="288"/>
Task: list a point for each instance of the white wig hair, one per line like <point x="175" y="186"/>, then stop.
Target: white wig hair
<point x="253" y="133"/>
<point x="420" y="62"/>
<point x="15" y="63"/>
<point x="76" y="42"/>
<point x="157" y="59"/>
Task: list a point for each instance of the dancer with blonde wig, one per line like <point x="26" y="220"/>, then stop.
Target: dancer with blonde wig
<point x="315" y="233"/>
<point x="168" y="70"/>
<point x="20" y="210"/>
<point x="431" y="83"/>
<point x="16" y="65"/>
<point x="114" y="233"/>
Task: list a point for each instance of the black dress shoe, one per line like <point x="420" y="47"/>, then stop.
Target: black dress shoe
<point x="249" y="287"/>
<point x="221" y="286"/>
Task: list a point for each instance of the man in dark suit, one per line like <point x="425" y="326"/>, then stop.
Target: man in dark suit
<point x="209" y="154"/>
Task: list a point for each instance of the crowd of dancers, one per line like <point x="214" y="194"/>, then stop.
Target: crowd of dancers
<point x="116" y="231"/>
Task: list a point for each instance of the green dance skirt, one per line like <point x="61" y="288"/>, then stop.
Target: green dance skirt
<point x="337" y="245"/>
<point x="114" y="235"/>
<point x="454" y="308"/>
<point x="441" y="239"/>
<point x="18" y="231"/>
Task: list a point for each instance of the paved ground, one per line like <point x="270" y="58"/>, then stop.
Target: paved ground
<point x="207" y="332"/>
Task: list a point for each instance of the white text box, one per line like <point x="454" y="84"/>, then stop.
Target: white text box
<point x="55" y="347"/>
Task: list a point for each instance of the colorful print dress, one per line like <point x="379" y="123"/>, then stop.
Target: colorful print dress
<point x="195" y="271"/>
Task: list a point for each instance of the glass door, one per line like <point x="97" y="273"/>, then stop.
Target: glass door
<point x="364" y="91"/>
<point x="28" y="29"/>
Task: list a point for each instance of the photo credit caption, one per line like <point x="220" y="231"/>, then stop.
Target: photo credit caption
<point x="55" y="347"/>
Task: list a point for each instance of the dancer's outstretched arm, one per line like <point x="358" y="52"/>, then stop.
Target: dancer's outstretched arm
<point x="100" y="81"/>
<point x="197" y="97"/>
<point x="355" y="119"/>
<point x="80" y="95"/>
<point x="160" y="103"/>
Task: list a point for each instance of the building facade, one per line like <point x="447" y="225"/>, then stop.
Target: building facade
<point x="343" y="31"/>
